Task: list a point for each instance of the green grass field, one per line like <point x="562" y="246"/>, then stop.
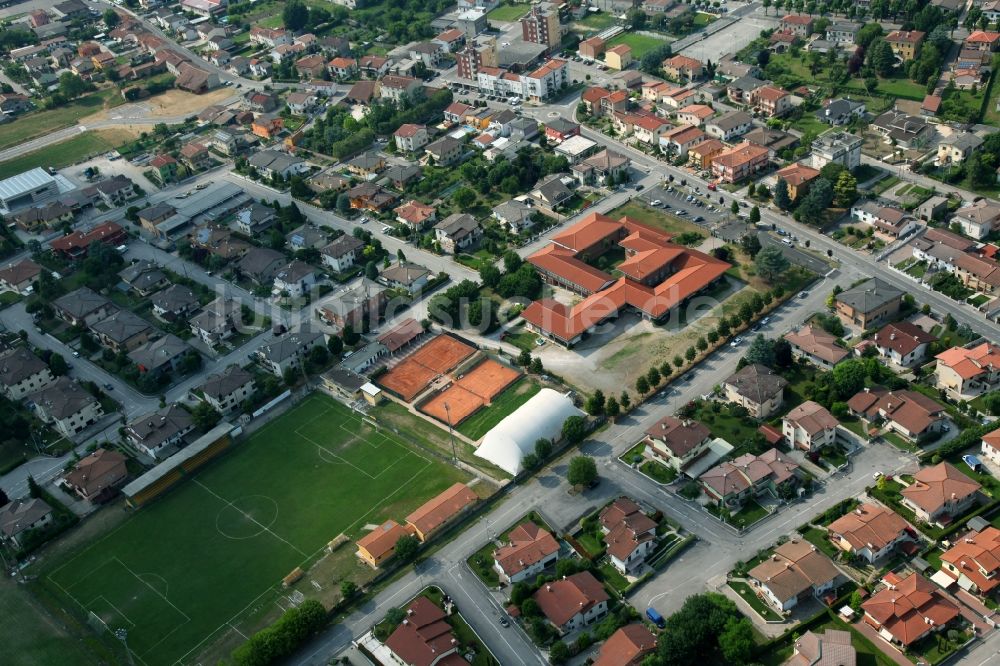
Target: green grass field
<point x="483" y="421"/>
<point x="39" y="123"/>
<point x="641" y="44"/>
<point x="190" y="567"/>
<point x="654" y="217"/>
<point x="508" y="12"/>
<point x="61" y="154"/>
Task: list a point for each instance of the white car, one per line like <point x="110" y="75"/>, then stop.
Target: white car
<point x="877" y="475"/>
<point x="656" y="202"/>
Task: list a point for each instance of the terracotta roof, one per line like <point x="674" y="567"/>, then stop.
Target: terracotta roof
<point x="797" y="19"/>
<point x="812" y="417"/>
<point x="101" y="469"/>
<point x="738" y="475"/>
<point x="993" y="438"/>
<point x="869" y="526"/>
<point x="982" y="36"/>
<point x="423" y="636"/>
<point x="682" y="62"/>
<point x="382" y="539"/>
<point x="770" y="93"/>
<point x="933" y="486"/>
<point x="680" y="436"/>
<point x="740" y="154"/>
<point x="977" y="556"/>
<point x="415" y="212"/>
<point x="913" y="411"/>
<point x="528" y="544"/>
<point x="698" y="110"/>
<point x="907" y="36"/>
<point x="627" y="526"/>
<point x="621" y="49"/>
<point x="904" y="609"/>
<point x="968" y="363"/>
<point x="683" y="134"/>
<point x="795" y="567"/>
<point x="401" y="334"/>
<point x="902" y="337"/>
<point x="562" y="600"/>
<point x="831" y="648"/>
<point x="626" y="647"/>
<point x="408" y="130"/>
<point x="816" y="342"/>
<point x="797" y="174"/>
<point x="22" y="271"/>
<point x="439" y="510"/>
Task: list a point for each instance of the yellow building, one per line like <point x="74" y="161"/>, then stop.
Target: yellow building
<point x="905" y="43"/>
<point x="618" y="57"/>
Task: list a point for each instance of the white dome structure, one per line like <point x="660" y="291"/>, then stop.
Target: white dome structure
<point x="514" y="437"/>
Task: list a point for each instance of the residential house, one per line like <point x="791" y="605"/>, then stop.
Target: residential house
<point x="255" y="219"/>
<point x="810" y="427"/>
<point x="729" y="126"/>
<point x="903" y="343"/>
<point x="681" y="139"/>
<point x="444" y="151"/>
<point x="379" y="545"/>
<point x="301" y="102"/>
<point x="261" y="264"/>
<point x="166" y="167"/>
<point x="39" y="217"/>
<point x="288" y="351"/>
<point x="837" y="147"/>
<point x="228" y="390"/>
<point x="437" y="512"/>
<point x="871" y="303"/>
<point x="630" y="535"/>
<point x="966" y="372"/>
<point x="909" y="413"/>
<point x="66" y="406"/>
<point x="683" y="68"/>
<point x="732" y="483"/>
<point x="514" y="215"/>
<point x="906" y="130"/>
<point x="799" y="25"/>
<point x="908" y="609"/>
<point x="21" y="373"/>
<point x="840" y="111"/>
<point x="870" y="532"/>
<point x="217" y="321"/>
<point x="196" y="156"/>
<point x="573" y="602"/>
<point x="757" y="388"/>
<point x="425" y="637"/>
<point x="591" y="48"/>
<point x="618" y="57"/>
<point x="410" y="137"/>
<point x="401" y="175"/>
<point x="343" y="68"/>
<point x="694" y="114"/>
<point x="96" y="477"/>
<point x="797" y="177"/>
<point x="905" y="43"/>
<point x="159" y="431"/>
<point x="795" y="572"/>
<point x="890" y="223"/>
<point x="702" y="154"/>
<point x="979" y="219"/>
<point x="678" y="442"/>
<point x="144" y="277"/>
<point x="163" y="354"/>
<point x="122" y="331"/>
<point x="630" y="645"/>
<point x="402" y="275"/>
<point x="601" y="167"/>
<point x="740" y="162"/>
<point x="843" y="32"/>
<point x="398" y="88"/>
<point x="415" y="215"/>
<point x="266" y="126"/>
<point x="770" y="101"/>
<point x="311" y="66"/>
<point x="19" y="277"/>
<point x="457" y="232"/>
<point x="75" y="245"/>
<point x="816" y="346"/>
<point x="957" y="147"/>
<point x="296" y="279"/>
<point x="342" y="253"/>
<point x="20" y="516"/>
<point x="974" y="561"/>
<point x="83" y="307"/>
<point x="529" y="550"/>
<point x="560" y="129"/>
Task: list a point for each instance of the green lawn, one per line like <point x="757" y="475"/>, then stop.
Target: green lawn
<point x="597" y="21"/>
<point x="31" y="636"/>
<point x="654" y="217"/>
<point x="899" y="442"/>
<point x="817" y="537"/>
<point x="701" y="19"/>
<point x="191" y="566"/>
<point x="641" y="44"/>
<point x="483" y="421"/>
<point x="658" y="471"/>
<point x="508" y="13"/>
<point x="59" y="155"/>
<point x="748" y="515"/>
<point x="522" y="338"/>
<point x="39" y="123"/>
<point x="748" y="595"/>
<point x="611" y="576"/>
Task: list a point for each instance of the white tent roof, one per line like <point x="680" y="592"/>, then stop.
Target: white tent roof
<point x="514" y="437"/>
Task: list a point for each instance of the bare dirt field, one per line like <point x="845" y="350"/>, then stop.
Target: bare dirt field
<point x="167" y="104"/>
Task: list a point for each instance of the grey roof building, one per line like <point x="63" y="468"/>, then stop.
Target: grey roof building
<point x="157" y="355"/>
<point x="261" y="264"/>
<point x="220" y="385"/>
<point x="81" y="304"/>
<point x="869" y="295"/>
<point x="288" y="351"/>
<point x="21" y="515"/>
<point x="177" y="299"/>
<point x="156" y="430"/>
<point x="122" y="328"/>
<point x="757" y="383"/>
<point x="18" y="365"/>
<point x="143" y="276"/>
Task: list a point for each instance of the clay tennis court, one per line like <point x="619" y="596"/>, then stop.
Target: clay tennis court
<point x="474" y="390"/>
<point x="437" y="357"/>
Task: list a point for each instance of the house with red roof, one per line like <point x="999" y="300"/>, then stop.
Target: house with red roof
<point x="870" y="531"/>
<point x="380" y="544"/>
<point x="903" y="343"/>
<point x="809" y="427"/>
<point x="678" y="442"/>
<point x="680" y="68"/>
<point x="694" y="114"/>
<point x="908" y="413"/>
<point x="657" y="276"/>
<point x="438" y="511"/>
<point x="906" y="610"/>
<point x="939" y="494"/>
<point x="628" y="646"/>
<point x="530" y="550"/>
<point x="573" y="602"/>
<point x="629" y="534"/>
<point x="974" y="561"/>
<point x="813" y="344"/>
<point x="799" y="25"/>
<point x="740" y="162"/>
<point x="771" y="101"/>
<point x="982" y="40"/>
<point x="798" y="177"/>
<point x="414" y="214"/>
<point x="991" y="446"/>
<point x="969" y="371"/>
<point x="424" y="637"/>
<point x="411" y="137"/>
<point x="681" y="139"/>
<point x="732" y="483"/>
<point x="76" y="244"/>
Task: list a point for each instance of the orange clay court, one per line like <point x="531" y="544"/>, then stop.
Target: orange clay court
<point x="470" y="393"/>
<point x="418" y="370"/>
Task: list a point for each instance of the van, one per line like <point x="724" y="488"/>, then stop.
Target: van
<point x="656" y="618"/>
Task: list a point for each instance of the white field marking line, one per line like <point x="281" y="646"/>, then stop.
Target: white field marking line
<point x="231" y="538"/>
<point x="252" y="519"/>
<point x="224" y="624"/>
<point x="237" y="630"/>
<point x="162" y="579"/>
<point x="154" y="590"/>
<point x="116" y="609"/>
<point x="336" y="458"/>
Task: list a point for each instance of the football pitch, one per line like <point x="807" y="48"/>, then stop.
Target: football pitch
<point x="189" y="567"/>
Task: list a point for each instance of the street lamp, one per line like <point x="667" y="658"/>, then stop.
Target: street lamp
<point x="122" y="635"/>
<point x="451" y="433"/>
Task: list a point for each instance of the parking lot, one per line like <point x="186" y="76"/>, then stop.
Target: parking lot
<point x="683" y="201"/>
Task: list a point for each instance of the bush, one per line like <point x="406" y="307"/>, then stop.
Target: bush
<point x="279" y="640"/>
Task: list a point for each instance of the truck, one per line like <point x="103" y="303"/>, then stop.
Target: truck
<point x="656" y="618"/>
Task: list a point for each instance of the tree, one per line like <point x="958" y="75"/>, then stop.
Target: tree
<point x="781" y="197"/>
<point x="4" y="500"/>
<point x="111" y="18"/>
<point x="737" y="641"/>
<point x="881" y="58"/>
<point x="761" y="351"/>
<point x="582" y="471"/>
<point x="690" y="353"/>
<point x="771" y="263"/>
<point x="489" y="275"/>
<point x="755" y="215"/>
<point x="463" y="197"/>
<point x="559" y="652"/>
<point x="524" y="358"/>
<point x="849" y="378"/>
<point x="536" y="366"/>
<point x="343" y="204"/>
<point x="653" y="377"/>
<point x="750" y="244"/>
<point x="205" y="417"/>
<point x="72" y="86"/>
<point x="348" y="589"/>
<point x="371" y="270"/>
<point x="595" y="403"/>
<point x="612" y="409"/>
<point x="33" y="489"/>
<point x="407" y="547"/>
<point x="335" y="345"/>
<point x="543" y="448"/>
<point x="57" y="364"/>
<point x="295" y="15"/>
<point x="735" y="207"/>
<point x="845" y="191"/>
<point x="642" y="385"/>
<point x="625" y="400"/>
<point x="574" y="429"/>
<point x="782" y="353"/>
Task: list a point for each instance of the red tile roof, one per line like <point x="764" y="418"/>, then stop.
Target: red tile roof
<point x="975" y="553"/>
<point x="562" y="600"/>
<point x="437" y="511"/>
<point x="528" y="544"/>
<point x="933" y="486"/>
<point x="870" y="526"/>
<point x="797" y="174"/>
<point x="903" y="337"/>
<point x="423" y="636"/>
<point x="968" y="363"/>
<point x="626" y="647"/>
<point x="904" y="609"/>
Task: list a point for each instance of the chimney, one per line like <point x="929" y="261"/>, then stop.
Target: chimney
<point x="892" y="336"/>
<point x="954" y="496"/>
<point x="548" y="588"/>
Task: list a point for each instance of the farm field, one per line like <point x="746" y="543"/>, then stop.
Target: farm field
<point x="205" y="562"/>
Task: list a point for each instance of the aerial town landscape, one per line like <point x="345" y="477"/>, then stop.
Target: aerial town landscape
<point x="415" y="333"/>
